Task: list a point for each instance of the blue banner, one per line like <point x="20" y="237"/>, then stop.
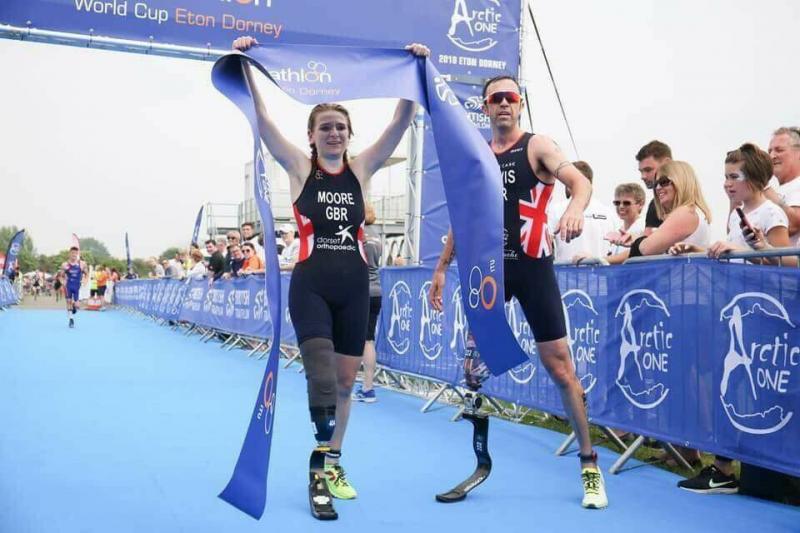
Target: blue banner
<point x="14" y="247"/>
<point x="8" y="295"/>
<point x="196" y="232"/>
<point x="472" y="186"/>
<point x="477" y="38"/>
<point x="702" y="354"/>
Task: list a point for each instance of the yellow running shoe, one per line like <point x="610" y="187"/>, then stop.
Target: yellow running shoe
<point x="594" y="490"/>
<point x="338" y="485"/>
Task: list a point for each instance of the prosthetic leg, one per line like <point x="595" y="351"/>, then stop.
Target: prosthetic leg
<point x="475" y="373"/>
<point x="320" y="500"/>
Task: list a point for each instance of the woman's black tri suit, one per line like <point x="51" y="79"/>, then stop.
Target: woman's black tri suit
<point x="329" y="291"/>
<point x="528" y="248"/>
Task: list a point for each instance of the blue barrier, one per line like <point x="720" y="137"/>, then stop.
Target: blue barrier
<point x="699" y="353"/>
<point x="8" y="296"/>
<point x="703" y="354"/>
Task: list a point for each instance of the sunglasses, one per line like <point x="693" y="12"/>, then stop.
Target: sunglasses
<point x="247" y="251"/>
<point x="497" y="97"/>
<point x="624" y="203"/>
<point x="663" y="182"/>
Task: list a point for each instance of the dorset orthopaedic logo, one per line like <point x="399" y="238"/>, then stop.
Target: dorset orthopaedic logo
<point x="524" y="372"/>
<point x="474" y="24"/>
<point x="583" y="335"/>
<point x="758" y="364"/>
<point x="430" y="326"/>
<point x="399" y="335"/>
<point x="645" y="347"/>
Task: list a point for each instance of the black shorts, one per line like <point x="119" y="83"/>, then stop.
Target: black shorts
<point x="101" y="291"/>
<point x="533" y="282"/>
<point x="330" y="304"/>
<point x="92" y="293"/>
<point x="374" y="311"/>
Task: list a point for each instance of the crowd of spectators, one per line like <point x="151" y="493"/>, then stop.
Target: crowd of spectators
<point x="763" y="188"/>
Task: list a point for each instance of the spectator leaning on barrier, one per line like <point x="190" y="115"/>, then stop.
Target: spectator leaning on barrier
<point x="651" y="157"/>
<point x="682" y="208"/>
<point x="253" y="264"/>
<point x="291" y="247"/>
<point x="216" y="262"/>
<point x="598" y="221"/>
<point x="747" y="172"/>
<point x="629" y="201"/>
<point x="373" y="251"/>
<point x="198" y="271"/>
<point x="249" y="235"/>
<point x="236" y="261"/>
<point x="784" y="149"/>
<point x="233" y="238"/>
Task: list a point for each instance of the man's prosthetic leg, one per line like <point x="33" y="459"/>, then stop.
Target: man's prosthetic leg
<point x="320" y="370"/>
<point x="475" y="373"/>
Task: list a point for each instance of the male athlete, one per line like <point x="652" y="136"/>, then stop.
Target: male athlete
<point x="530" y="164"/>
<point x="75" y="271"/>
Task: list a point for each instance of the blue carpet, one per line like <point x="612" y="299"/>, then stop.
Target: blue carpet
<point x="121" y="425"/>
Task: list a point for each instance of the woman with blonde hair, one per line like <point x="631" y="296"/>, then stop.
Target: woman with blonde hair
<point x="682" y="208"/>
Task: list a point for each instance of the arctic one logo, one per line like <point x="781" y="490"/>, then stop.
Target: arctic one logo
<point x="399" y="335"/>
<point x="645" y="348"/>
<point x="458" y="341"/>
<point x="583" y="335"/>
<point x="474" y="30"/>
<point x="524" y="372"/>
<point x="430" y="326"/>
<point x="757" y="368"/>
<point x="444" y="92"/>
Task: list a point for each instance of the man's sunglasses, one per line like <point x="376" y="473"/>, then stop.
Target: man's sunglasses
<point x="497" y="97"/>
<point x="624" y="203"/>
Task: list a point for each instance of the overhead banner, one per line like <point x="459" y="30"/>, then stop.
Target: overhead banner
<point x="470" y="37"/>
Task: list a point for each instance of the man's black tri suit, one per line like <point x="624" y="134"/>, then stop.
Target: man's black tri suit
<point x="329" y="291"/>
<point x="527" y="244"/>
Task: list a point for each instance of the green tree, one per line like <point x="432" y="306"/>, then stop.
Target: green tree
<point x="27" y="256"/>
<point x="98" y="250"/>
<point x="169" y="253"/>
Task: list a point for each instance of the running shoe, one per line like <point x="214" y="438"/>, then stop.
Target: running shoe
<point x="338" y="485"/>
<point x="711" y="480"/>
<point x="594" y="490"/>
<point x="367" y="396"/>
<point x="71" y="323"/>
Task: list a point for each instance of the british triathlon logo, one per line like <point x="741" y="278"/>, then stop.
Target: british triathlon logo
<point x="644" y="349"/>
<point x="474" y="108"/>
<point x="758" y="364"/>
<point x="482" y="288"/>
<point x="259" y="305"/>
<point x="430" y="326"/>
<point x="444" y="92"/>
<point x="312" y="72"/>
<point x="474" y="24"/>
<point x="583" y="335"/>
<point x="524" y="372"/>
<point x="399" y="335"/>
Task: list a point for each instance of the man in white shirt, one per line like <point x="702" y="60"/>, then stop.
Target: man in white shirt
<point x="291" y="248"/>
<point x="598" y="221"/>
<point x="784" y="149"/>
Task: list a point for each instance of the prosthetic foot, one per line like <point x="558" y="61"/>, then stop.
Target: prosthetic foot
<point x="475" y="373"/>
<point x="319" y="498"/>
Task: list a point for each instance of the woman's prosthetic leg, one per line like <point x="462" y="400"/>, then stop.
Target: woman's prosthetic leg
<point x="475" y="373"/>
<point x="319" y="361"/>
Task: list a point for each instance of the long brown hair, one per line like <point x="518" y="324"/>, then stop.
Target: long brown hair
<point x="312" y="122"/>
